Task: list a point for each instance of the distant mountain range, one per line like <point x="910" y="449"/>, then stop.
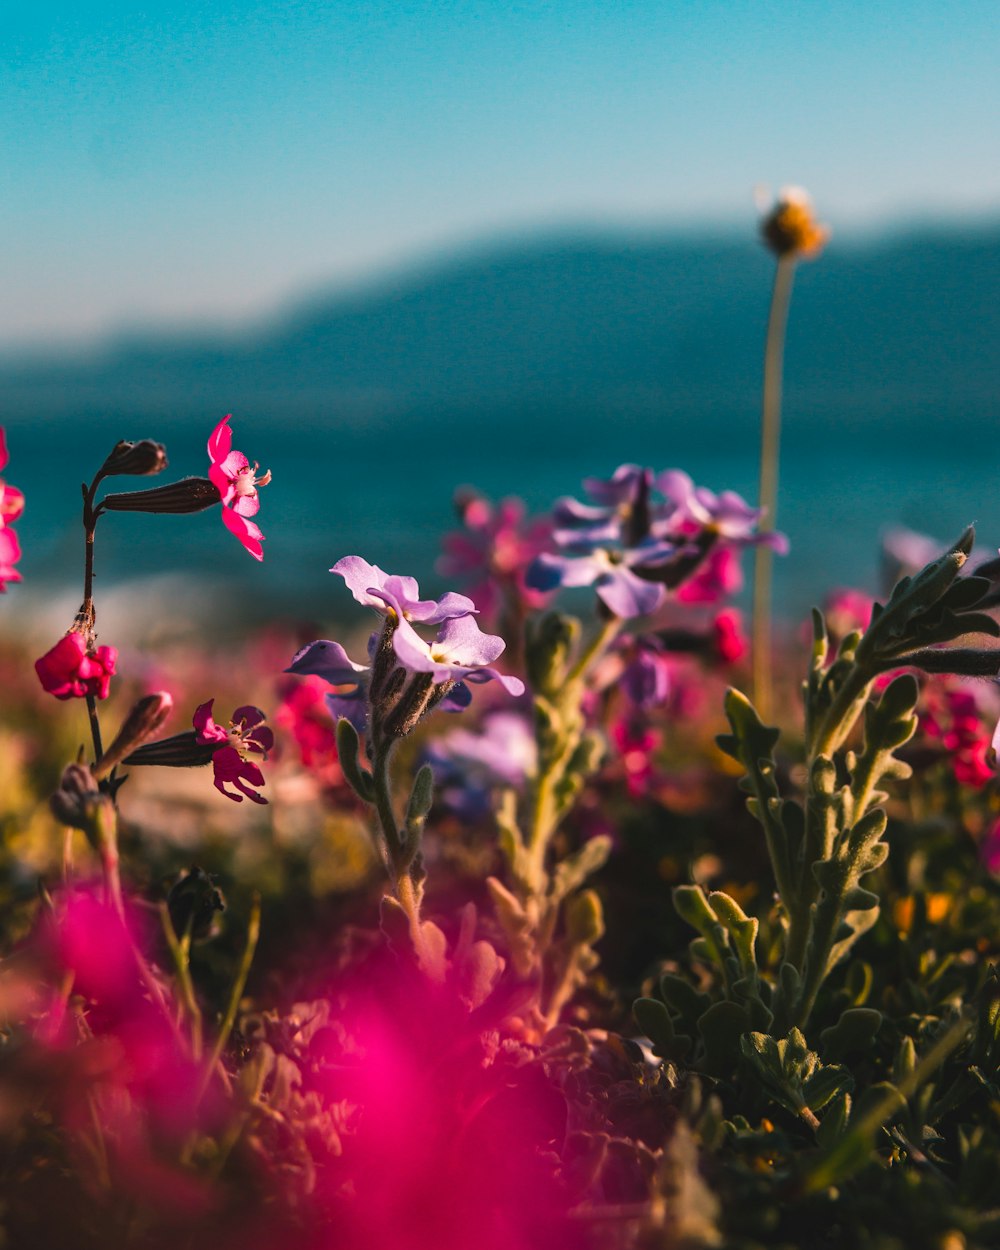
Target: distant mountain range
<point x="645" y="328"/>
<point x="524" y="367"/>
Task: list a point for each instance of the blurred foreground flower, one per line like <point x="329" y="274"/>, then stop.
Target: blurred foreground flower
<point x="237" y="482"/>
<point x="71" y="671"/>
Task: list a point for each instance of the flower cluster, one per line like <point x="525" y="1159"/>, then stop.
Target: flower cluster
<point x="644" y="534"/>
<point x="237" y="482"/>
<point x="11" y="507"/>
<point x="407" y="675"/>
<point x="492" y="551"/>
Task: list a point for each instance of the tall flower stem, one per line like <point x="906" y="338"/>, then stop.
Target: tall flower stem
<point x="87" y="614"/>
<point x="770" y="445"/>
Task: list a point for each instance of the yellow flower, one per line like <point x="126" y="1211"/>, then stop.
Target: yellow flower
<point x="790" y="229"/>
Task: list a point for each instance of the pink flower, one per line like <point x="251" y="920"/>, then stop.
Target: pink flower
<point x="71" y="671"/>
<point x="11" y="507"/>
<point x="10" y="553"/>
<point x="246" y="733"/>
<point x="989" y="849"/>
<point x="11" y="499"/>
<point x="237" y="481"/>
<point x="730" y="641"/>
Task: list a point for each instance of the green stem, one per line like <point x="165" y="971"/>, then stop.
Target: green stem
<point x="180" y="953"/>
<point x="770" y="441"/>
<point x="842" y="714"/>
<point x="593" y="651"/>
<point x="235" y="994"/>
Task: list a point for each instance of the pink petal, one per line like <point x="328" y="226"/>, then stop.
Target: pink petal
<point x="11" y="504"/>
<point x="220" y="440"/>
<point x="208" y="730"/>
<point x="3" y="447"/>
<point x="248" y="533"/>
<point x="246" y="505"/>
<point x="233" y="463"/>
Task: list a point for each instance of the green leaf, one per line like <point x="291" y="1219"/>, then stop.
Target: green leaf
<point x="854" y="1031"/>
<point x="721" y="1028"/>
<point x="654" y="1020"/>
<point x="348" y="748"/>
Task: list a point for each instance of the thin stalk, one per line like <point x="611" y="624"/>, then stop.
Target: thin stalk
<point x="235" y="994"/>
<point x="770" y="443"/>
<point x="180" y="953"/>
<point x="398" y="865"/>
<point x="593" y="652"/>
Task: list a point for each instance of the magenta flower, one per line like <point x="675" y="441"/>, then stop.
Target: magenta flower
<point x="246" y="733"/>
<point x="71" y="671"/>
<point x="237" y="482"/>
<point x="493" y="551"/>
<point x="379" y="590"/>
<point x="10" y="553"/>
<point x="461" y="652"/>
<point x="11" y="499"/>
<point x="11" y="507"/>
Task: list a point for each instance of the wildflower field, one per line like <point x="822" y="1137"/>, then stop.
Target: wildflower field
<point x="578" y="906"/>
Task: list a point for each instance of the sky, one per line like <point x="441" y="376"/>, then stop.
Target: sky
<point x="172" y="162"/>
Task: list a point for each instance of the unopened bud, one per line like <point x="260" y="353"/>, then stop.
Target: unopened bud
<point x="140" y="459"/>
<point x="193" y="902"/>
<point x="790" y="229"/>
<point x="80" y="804"/>
<point x="190" y="494"/>
<point x="145" y="719"/>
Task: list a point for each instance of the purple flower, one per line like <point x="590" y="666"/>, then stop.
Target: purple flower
<point x="611" y="574"/>
<point x="728" y="516"/>
<point x="379" y="590"/>
<point x="330" y="661"/>
<point x="461" y="652"/>
<point x="621" y="514"/>
<point x="468" y="766"/>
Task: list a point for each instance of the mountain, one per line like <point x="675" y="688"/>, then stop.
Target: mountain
<point x="522" y="368"/>
<point x="898" y="330"/>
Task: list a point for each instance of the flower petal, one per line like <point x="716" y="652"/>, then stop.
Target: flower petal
<point x="220" y="440"/>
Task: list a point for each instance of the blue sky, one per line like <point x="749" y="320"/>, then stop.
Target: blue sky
<point x="169" y="161"/>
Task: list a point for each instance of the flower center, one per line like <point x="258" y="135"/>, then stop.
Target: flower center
<point x="247" y="481"/>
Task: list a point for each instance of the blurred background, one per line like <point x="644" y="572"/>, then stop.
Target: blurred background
<point x="414" y="246"/>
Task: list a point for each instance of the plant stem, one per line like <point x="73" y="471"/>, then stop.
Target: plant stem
<point x="398" y="864"/>
<point x="768" y="500"/>
<point x="235" y="994"/>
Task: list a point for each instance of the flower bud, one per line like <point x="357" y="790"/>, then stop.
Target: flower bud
<point x="80" y="804"/>
<point x="193" y="902"/>
<point x="143" y="721"/>
<point x="190" y="494"/>
<point x="139" y="459"/>
<point x="790" y="229"/>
